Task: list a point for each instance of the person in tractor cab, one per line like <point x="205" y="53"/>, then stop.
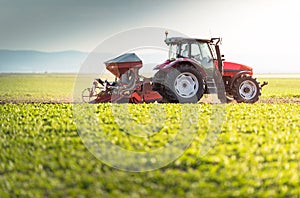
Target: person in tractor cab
<point x="185" y="51"/>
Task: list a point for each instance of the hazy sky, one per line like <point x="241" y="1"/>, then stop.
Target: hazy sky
<point x="260" y="33"/>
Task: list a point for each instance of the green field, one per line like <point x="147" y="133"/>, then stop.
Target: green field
<point x="256" y="153"/>
<point x="57" y="88"/>
<point x="36" y="87"/>
<point x="281" y="86"/>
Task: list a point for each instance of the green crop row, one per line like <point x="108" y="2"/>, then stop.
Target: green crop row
<point x="256" y="152"/>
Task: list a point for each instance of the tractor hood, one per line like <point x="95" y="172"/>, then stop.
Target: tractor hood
<point x="230" y="67"/>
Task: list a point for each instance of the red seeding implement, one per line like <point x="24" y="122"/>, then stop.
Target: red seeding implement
<point x="194" y="67"/>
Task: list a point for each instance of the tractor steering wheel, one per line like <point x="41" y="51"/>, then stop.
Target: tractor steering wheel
<point x="206" y="60"/>
<point x="197" y="57"/>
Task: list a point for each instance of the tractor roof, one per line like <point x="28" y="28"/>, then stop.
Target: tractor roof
<point x="185" y="40"/>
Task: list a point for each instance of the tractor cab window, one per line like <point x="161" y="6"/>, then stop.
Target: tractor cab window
<point x="184" y="50"/>
<point x="205" y="51"/>
<point x="195" y="52"/>
<point x="207" y="58"/>
<point x="177" y="50"/>
<point x="174" y="51"/>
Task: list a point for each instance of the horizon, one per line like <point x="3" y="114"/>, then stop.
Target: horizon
<point x="144" y="55"/>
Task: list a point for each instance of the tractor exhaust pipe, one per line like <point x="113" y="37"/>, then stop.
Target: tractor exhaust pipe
<point x="218" y="53"/>
<point x="219" y="58"/>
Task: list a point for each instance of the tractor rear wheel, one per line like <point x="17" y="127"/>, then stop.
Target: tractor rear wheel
<point x="246" y="89"/>
<point x="183" y="84"/>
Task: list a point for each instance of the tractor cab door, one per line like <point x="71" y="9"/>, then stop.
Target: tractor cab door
<point x="202" y="54"/>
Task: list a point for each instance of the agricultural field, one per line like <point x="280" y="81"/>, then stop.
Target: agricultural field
<point x="281" y="88"/>
<point x="45" y="150"/>
<point x="42" y="88"/>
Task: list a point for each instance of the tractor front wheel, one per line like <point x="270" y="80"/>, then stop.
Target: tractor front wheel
<point x="246" y="89"/>
<point x="184" y="84"/>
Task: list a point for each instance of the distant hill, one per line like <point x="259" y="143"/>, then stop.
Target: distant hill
<point x="29" y="61"/>
<point x="36" y="61"/>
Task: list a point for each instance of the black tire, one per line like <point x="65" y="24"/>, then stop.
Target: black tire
<point x="183" y="84"/>
<point x="246" y="89"/>
<point x="229" y="97"/>
<point x="158" y="82"/>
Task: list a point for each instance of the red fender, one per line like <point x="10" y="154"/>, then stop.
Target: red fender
<point x="238" y="75"/>
<point x="171" y="64"/>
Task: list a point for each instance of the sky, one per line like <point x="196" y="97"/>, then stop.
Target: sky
<point x="263" y="34"/>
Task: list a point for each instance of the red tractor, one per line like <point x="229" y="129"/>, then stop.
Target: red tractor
<point x="194" y="67"/>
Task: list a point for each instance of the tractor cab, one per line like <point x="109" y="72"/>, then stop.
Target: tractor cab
<point x="196" y="49"/>
<point x="204" y="51"/>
